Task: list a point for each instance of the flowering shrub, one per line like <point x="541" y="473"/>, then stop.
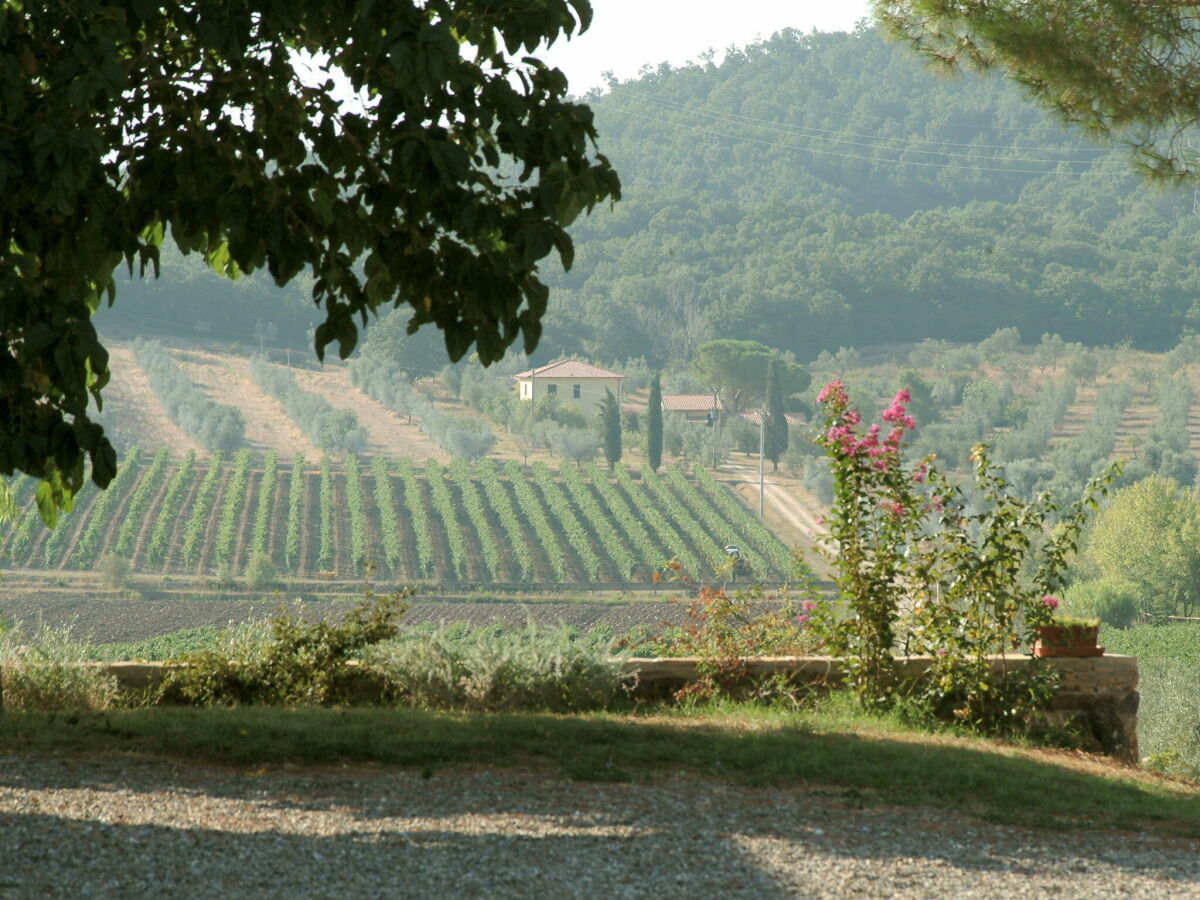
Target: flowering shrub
<point x="726" y="629"/>
<point x="921" y="571"/>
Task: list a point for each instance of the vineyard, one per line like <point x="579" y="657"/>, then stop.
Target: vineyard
<point x="486" y="523"/>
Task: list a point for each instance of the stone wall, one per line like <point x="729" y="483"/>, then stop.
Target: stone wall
<point x="1097" y="697"/>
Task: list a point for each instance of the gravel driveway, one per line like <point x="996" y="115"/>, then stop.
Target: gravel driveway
<point x="120" y="828"/>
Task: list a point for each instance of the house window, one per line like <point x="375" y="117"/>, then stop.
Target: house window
<point x="552" y="389"/>
<point x="575" y="391"/>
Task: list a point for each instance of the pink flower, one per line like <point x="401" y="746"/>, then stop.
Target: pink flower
<point x="837" y="432"/>
<point x="910" y="423"/>
<point x="895" y="508"/>
<point x="835" y="390"/>
<point x="1051" y="602"/>
<point x="902" y="396"/>
<point x="852" y="417"/>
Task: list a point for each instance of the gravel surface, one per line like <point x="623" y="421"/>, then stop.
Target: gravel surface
<point x="111" y="620"/>
<point x="121" y="828"/>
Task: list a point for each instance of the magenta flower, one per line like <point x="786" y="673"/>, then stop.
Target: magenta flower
<point x="835" y="391"/>
<point x="1051" y="602"/>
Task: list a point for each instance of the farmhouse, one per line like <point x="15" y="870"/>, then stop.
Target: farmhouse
<point x="570" y="379"/>
<point x="703" y="408"/>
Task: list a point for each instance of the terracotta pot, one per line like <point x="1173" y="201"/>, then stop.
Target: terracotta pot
<point x="1059" y="640"/>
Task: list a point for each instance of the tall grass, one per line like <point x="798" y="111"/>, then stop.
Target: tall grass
<point x="47" y="670"/>
<point x="450" y="666"/>
<point x="530" y="668"/>
<point x="1169" y="714"/>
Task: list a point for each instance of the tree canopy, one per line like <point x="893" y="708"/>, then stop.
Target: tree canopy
<point x="1128" y="70"/>
<point x="738" y="371"/>
<point x="776" y="424"/>
<point x="218" y="123"/>
<point x="654" y="423"/>
<point x="1150" y="536"/>
<point x="389" y="341"/>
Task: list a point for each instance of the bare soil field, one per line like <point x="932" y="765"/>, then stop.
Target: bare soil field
<point x="388" y="433"/>
<point x="226" y="379"/>
<point x="138" y="416"/>
<point x="106" y="617"/>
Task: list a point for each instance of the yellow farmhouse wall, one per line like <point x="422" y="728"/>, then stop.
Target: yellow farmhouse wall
<point x="591" y="390"/>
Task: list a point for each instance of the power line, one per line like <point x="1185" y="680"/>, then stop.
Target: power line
<point x="745" y="118"/>
<point x="873" y="142"/>
<point x="906" y="162"/>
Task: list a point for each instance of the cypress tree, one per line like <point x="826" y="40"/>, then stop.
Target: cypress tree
<point x="654" y="425"/>
<point x="610" y="420"/>
<point x="776" y="437"/>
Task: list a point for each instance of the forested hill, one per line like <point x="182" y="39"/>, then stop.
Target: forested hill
<point x="830" y="189"/>
<point x="815" y="191"/>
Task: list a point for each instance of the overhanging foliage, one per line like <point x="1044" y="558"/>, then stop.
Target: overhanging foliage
<point x="124" y="120"/>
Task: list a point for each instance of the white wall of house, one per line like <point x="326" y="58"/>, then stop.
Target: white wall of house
<point x="588" y="393"/>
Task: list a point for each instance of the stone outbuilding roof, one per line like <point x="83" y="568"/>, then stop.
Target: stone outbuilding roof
<point x="792" y="418"/>
<point x="697" y="403"/>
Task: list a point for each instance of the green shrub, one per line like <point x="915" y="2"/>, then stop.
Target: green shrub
<point x="298" y="662"/>
<point x="726" y="629"/>
<point x="926" y="566"/>
<point x="536" y="668"/>
<point x="1110" y="600"/>
<point x="49" y="670"/>
<point x="260" y="572"/>
<point x="115" y="570"/>
<point x="1169" y="710"/>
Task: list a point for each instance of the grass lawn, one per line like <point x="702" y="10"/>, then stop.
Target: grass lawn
<point x="864" y="759"/>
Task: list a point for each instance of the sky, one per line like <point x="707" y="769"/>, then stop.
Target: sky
<point x="628" y="34"/>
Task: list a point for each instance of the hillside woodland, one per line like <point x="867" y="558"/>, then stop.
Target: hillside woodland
<point x="812" y="192"/>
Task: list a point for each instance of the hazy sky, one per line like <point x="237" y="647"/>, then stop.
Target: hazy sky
<point x="627" y="34"/>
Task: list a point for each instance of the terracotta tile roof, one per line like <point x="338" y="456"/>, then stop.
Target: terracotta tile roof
<point x="568" y="368"/>
<point x="792" y="418"/>
<point x="689" y="402"/>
